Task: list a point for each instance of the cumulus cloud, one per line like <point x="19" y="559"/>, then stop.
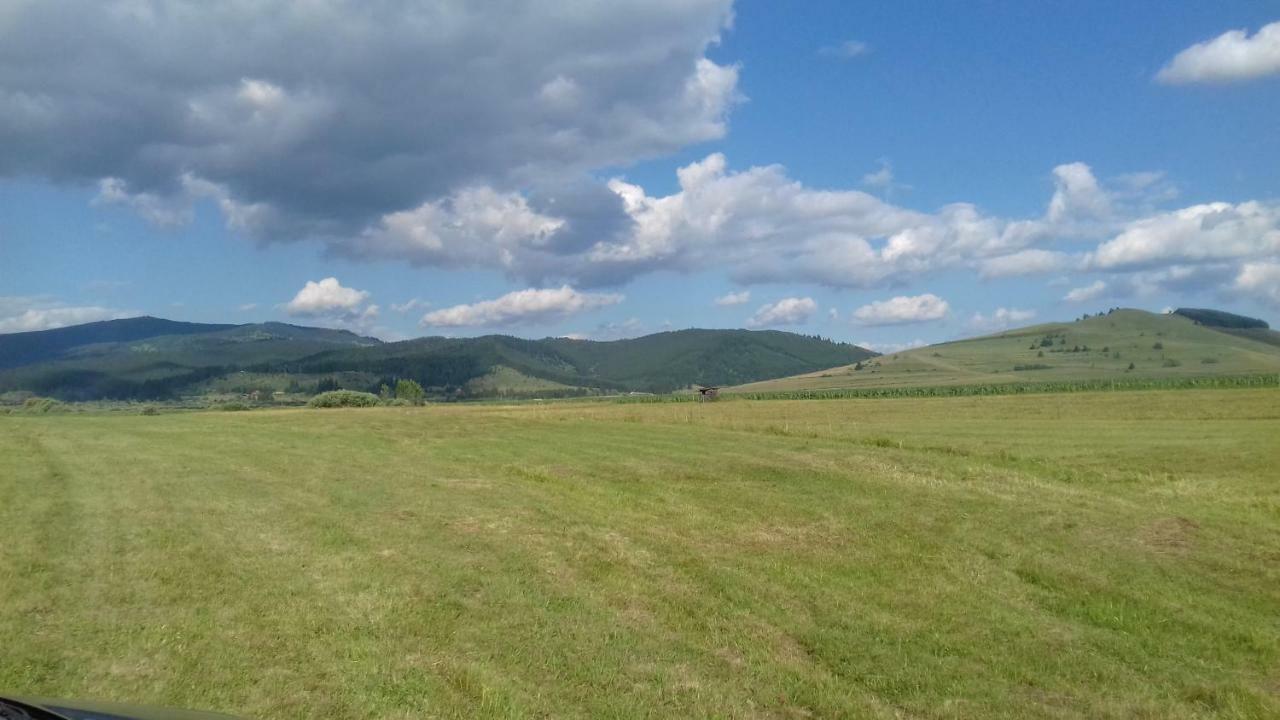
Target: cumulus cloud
<point x="903" y="310"/>
<point x="25" y="314"/>
<point x="1077" y="195"/>
<point x="326" y="297"/>
<point x="1230" y="57"/>
<point x="319" y="119"/>
<point x="1001" y="319"/>
<point x="1025" y="262"/>
<point x="847" y="50"/>
<point x="532" y="306"/>
<point x="1088" y="293"/>
<point x="1260" y="280"/>
<point x="787" y="311"/>
<point x="734" y="298"/>
<point x="1200" y="233"/>
<point x="329" y="303"/>
<point x="765" y="227"/>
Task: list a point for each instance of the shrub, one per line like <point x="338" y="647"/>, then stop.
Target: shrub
<point x="232" y="407"/>
<point x="343" y="398"/>
<point x="394" y="402"/>
<point x="1032" y="366"/>
<point x="1158" y="345"/>
<point x="1130" y="366"/>
<point x="1170" y="362"/>
<point x="1209" y="361"/>
<point x="150" y="410"/>
<point x="409" y="390"/>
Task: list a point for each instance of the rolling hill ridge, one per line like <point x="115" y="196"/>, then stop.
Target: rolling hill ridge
<point x="1121" y="343"/>
<point x="136" y="359"/>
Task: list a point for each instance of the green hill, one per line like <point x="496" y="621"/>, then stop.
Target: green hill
<point x="654" y="363"/>
<point x="1119" y="344"/>
<point x="150" y="358"/>
<point x="139" y="361"/>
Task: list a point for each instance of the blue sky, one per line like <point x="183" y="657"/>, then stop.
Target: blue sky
<point x="888" y="174"/>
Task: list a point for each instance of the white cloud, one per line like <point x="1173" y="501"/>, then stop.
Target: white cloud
<point x="1200" y="233"/>
<point x="787" y="311"/>
<point x="248" y="307"/>
<point x="476" y="226"/>
<point x="1025" y="262"/>
<point x="1260" y="280"/>
<point x="846" y="50"/>
<point x="1077" y="195"/>
<point x="330" y="304"/>
<point x="165" y="212"/>
<point x="902" y="310"/>
<point x="734" y="298"/>
<point x="1001" y="319"/>
<point x="410" y="305"/>
<point x="889" y="348"/>
<point x="765" y="227"/>
<point x="833" y="314"/>
<point x="1090" y="292"/>
<point x="883" y="181"/>
<point x="26" y="314"/>
<point x="1230" y="57"/>
<point x="530" y="306"/>
<point x="327" y="297"/>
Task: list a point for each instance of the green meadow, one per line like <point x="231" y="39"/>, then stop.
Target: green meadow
<point x="1086" y="555"/>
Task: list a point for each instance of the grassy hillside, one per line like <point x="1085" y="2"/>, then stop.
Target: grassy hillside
<point x="1102" y="347"/>
<point x="279" y="356"/>
<point x="1102" y="555"/>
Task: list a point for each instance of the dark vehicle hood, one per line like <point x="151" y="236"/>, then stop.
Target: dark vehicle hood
<point x="92" y="710"/>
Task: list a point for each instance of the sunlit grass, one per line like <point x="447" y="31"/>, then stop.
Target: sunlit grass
<point x="1084" y="555"/>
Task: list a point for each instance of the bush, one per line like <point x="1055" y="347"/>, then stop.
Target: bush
<point x="1032" y="366"/>
<point x="150" y="410"/>
<point x="1158" y="346"/>
<point x="343" y="398"/>
<point x="1209" y="361"/>
<point x="1170" y="362"/>
<point x="394" y="402"/>
<point x="42" y="405"/>
<point x="409" y="390"/>
<point x="232" y="407"/>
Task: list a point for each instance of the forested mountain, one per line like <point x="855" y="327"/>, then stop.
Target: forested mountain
<point x="36" y="346"/>
<point x="275" y="356"/>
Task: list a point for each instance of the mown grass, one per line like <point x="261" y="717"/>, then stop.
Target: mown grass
<point x="1063" y="556"/>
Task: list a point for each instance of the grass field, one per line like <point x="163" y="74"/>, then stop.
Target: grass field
<point x="1092" y="555"/>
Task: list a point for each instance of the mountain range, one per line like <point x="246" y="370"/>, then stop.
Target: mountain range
<point x="148" y="358"/>
<point x="152" y="358"/>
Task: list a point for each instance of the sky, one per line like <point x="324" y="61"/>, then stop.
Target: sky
<point x="889" y="174"/>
